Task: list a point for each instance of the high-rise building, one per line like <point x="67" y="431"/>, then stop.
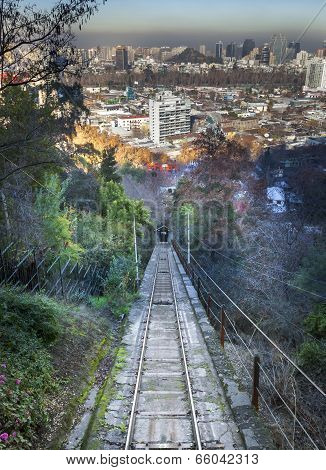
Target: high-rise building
<point x="231" y="50"/>
<point x="238" y="51"/>
<point x="121" y="58"/>
<point x="302" y="58"/>
<point x="83" y="56"/>
<point x="321" y="53"/>
<point x="219" y="52"/>
<point x="292" y="51"/>
<point x="168" y="115"/>
<point x="91" y="53"/>
<point x="248" y="46"/>
<point x="202" y="49"/>
<point x="316" y="75"/>
<point x="278" y="48"/>
<point x="156" y="53"/>
<point x="265" y="54"/>
<point x="297" y="47"/>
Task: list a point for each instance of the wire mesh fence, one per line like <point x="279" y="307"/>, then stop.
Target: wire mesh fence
<point x="41" y="271"/>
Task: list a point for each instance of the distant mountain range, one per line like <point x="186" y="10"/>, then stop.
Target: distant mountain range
<point x="192" y="56"/>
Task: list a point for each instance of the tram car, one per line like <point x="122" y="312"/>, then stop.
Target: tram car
<point x="163" y="233"/>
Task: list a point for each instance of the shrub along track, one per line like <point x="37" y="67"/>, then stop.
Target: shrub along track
<point x="83" y="357"/>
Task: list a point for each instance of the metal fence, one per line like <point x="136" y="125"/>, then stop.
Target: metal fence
<point x="41" y="271"/>
<point x="266" y="370"/>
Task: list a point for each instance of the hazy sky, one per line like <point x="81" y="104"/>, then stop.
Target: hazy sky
<point x="194" y="22"/>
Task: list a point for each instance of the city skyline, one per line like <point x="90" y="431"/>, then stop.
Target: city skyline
<point x="146" y="23"/>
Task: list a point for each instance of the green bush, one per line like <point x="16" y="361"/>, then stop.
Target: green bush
<point x="315" y="323"/>
<point x="28" y="324"/>
<point x="313" y="355"/>
<point x="121" y="275"/>
<point x="27" y="314"/>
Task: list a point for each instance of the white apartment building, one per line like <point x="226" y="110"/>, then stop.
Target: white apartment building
<point x="316" y="75"/>
<point x="132" y="122"/>
<point x="168" y="115"/>
<point x="302" y="58"/>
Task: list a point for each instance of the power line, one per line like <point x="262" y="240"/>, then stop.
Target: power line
<point x="306" y="29"/>
<point x="30" y="176"/>
<point x="262" y="274"/>
<point x="281" y="269"/>
<point x="261" y="331"/>
<point x="268" y="379"/>
<point x="301" y="330"/>
<point x="311" y="22"/>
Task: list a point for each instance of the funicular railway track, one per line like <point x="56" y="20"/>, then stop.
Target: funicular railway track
<point x="163" y="415"/>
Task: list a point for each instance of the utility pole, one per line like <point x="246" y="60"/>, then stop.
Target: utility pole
<point x="188" y="231"/>
<point x="136" y="253"/>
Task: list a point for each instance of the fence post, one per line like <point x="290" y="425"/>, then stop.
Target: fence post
<point x="222" y="329"/>
<point x="4" y="266"/>
<point x="255" y="383"/>
<point x="37" y="272"/>
<point x="209" y="303"/>
<point x="61" y="280"/>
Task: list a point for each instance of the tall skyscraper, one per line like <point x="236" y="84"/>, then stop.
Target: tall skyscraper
<point x="316" y="75"/>
<point x="278" y="48"/>
<point x="238" y="51"/>
<point x="321" y="53"/>
<point x="168" y="115"/>
<point x="297" y="47"/>
<point x="202" y="49"/>
<point x="121" y="58"/>
<point x="248" y="46"/>
<point x="219" y="52"/>
<point x="265" y="54"/>
<point x="231" y="50"/>
<point x="292" y="50"/>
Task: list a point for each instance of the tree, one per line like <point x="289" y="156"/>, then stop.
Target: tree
<point x="188" y="154"/>
<point x="220" y="157"/>
<point x="36" y="44"/>
<point x="101" y="141"/>
<point x="56" y="219"/>
<point x="118" y="212"/>
<point x="109" y="166"/>
<point x="312" y="273"/>
<point x="33" y="139"/>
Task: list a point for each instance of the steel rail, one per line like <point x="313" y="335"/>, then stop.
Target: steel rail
<point x="184" y="358"/>
<point x="140" y="367"/>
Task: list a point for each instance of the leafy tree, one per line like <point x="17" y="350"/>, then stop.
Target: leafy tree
<point x="82" y="190"/>
<point x="32" y="144"/>
<point x="315" y="323"/>
<point x="312" y="273"/>
<point x="57" y="221"/>
<point x="108" y="168"/>
<point x="313" y="353"/>
<point x="119" y="212"/>
<point x="188" y="154"/>
<point x="85" y="135"/>
<point x="36" y="44"/>
<point x="126" y="154"/>
<point x="221" y="156"/>
<point x="28" y="132"/>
